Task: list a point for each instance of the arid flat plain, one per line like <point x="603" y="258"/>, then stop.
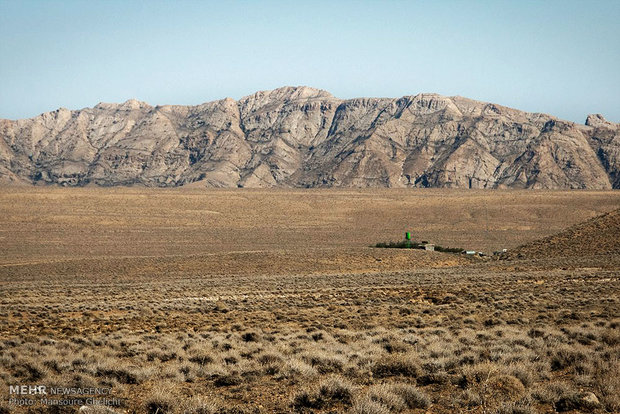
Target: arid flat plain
<point x="234" y="301"/>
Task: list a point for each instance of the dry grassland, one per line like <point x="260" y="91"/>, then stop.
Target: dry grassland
<point x="244" y="301"/>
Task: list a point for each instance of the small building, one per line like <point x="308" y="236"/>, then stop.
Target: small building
<point x="471" y="252"/>
<point x="430" y="247"/>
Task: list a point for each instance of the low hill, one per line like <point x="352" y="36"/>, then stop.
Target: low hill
<point x="599" y="236"/>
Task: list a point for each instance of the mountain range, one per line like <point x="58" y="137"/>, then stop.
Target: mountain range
<point x="305" y="137"/>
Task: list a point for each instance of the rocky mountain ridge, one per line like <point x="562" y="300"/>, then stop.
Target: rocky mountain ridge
<point x="305" y="137"/>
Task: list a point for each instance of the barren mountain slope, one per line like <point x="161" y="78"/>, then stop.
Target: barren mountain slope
<point x="304" y="137"/>
<point x="605" y="140"/>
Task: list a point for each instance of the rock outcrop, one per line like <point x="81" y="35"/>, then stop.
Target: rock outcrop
<point x="304" y="137"/>
<point x="604" y="138"/>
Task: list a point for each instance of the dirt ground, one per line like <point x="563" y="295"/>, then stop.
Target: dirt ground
<point x="41" y="224"/>
<point x="235" y="301"/>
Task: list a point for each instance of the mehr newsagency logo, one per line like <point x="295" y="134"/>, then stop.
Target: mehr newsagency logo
<point x="31" y="395"/>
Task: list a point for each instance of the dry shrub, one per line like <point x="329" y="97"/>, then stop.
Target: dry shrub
<point x="250" y="336"/>
<point x="123" y="374"/>
<point x="395" y="397"/>
<point x="325" y="363"/>
<point x="306" y="399"/>
<point x="550" y="393"/>
<point x="607" y="384"/>
<point x="479" y="373"/>
<point x="161" y="400"/>
<point x="611" y="337"/>
<point x="524" y="373"/>
<point x="199" y="405"/>
<point x="488" y="386"/>
<point x="269" y="358"/>
<point x="471" y="398"/>
<point x="411" y="395"/>
<point x="332" y="391"/>
<point x="294" y="368"/>
<point x="368" y="406"/>
<point x="383" y="394"/>
<point x="397" y="365"/>
<point x="392" y="345"/>
<point x="200" y="358"/>
<point x="512" y="408"/>
<point x="28" y="370"/>
<point x="565" y="357"/>
<point x="228" y="379"/>
<point x="337" y="389"/>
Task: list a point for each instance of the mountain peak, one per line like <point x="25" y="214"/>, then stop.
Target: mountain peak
<point x="290" y="93"/>
<point x="597" y="121"/>
<point x="128" y="105"/>
<point x="134" y="104"/>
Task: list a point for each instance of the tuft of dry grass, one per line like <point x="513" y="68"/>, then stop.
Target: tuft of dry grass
<point x="332" y="392"/>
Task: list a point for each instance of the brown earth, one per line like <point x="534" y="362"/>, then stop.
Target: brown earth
<point x="272" y="301"/>
<point x="44" y="224"/>
<point x="597" y="236"/>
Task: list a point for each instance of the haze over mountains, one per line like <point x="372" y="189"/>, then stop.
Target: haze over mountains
<point x="304" y="137"/>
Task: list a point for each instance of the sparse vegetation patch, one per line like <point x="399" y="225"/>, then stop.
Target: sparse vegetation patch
<point x="288" y="329"/>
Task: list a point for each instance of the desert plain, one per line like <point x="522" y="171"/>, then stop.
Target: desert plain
<point x="274" y="301"/>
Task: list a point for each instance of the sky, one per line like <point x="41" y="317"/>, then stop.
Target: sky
<point x="560" y="57"/>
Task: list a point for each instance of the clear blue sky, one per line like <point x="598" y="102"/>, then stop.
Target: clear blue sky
<point x="559" y="57"/>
